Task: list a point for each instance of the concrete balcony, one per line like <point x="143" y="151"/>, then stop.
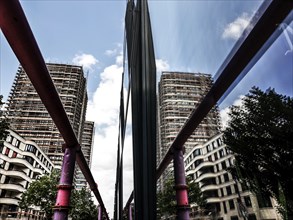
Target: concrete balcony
<point x="10" y="201"/>
<point x="12" y="187"/>
<point x="213" y="200"/>
<point x="210" y="187"/>
<point x="23" y="163"/>
<point x="15" y="174"/>
<point x="206" y="164"/>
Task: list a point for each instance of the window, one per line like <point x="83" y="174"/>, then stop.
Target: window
<point x="196" y="152"/>
<point x="17" y="143"/>
<point x="197" y="162"/>
<point x="219" y="178"/>
<point x="9" y="139"/>
<point x="1" y="147"/>
<point x="7" y="151"/>
<point x="2" y="165"/>
<point x="210" y="158"/>
<point x="231" y="204"/>
<point x="219" y="141"/>
<point x="14" y="155"/>
<point x="224" y="165"/>
<point x="234" y="217"/>
<point x="226" y="177"/>
<point x="218" y="207"/>
<point x="29" y="159"/>
<point x="216" y="156"/>
<point x="263" y="201"/>
<point x="216" y="168"/>
<point x="214" y="144"/>
<point x="11" y="166"/>
<point x="229" y="192"/>
<point x="247" y="201"/>
<point x="236" y="188"/>
<point x="222" y="154"/>
<point x="225" y="208"/>
<point x="31" y="148"/>
<point x="209" y="148"/>
<point x="251" y="217"/>
<point x="222" y="191"/>
<point x="244" y="186"/>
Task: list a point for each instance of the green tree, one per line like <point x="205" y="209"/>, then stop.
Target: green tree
<point x="260" y="133"/>
<point x="3" y="122"/>
<point x="166" y="199"/>
<point x="42" y="192"/>
<point x="82" y="206"/>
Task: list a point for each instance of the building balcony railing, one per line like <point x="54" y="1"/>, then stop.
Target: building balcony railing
<point x="23" y="163"/>
<point x="16" y="174"/>
<point x="210" y="187"/>
<point x="12" y="187"/>
<point x="9" y="201"/>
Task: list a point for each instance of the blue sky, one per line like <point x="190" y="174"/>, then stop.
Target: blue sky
<point x="192" y="36"/>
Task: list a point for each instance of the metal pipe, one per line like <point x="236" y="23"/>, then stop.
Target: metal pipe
<point x="18" y="33"/>
<point x="130" y="213"/>
<point x="183" y="208"/>
<point x="99" y="213"/>
<point x="61" y="207"/>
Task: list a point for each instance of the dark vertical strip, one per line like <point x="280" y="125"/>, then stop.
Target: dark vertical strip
<point x="122" y="127"/>
<point x="143" y="90"/>
<point x="117" y="180"/>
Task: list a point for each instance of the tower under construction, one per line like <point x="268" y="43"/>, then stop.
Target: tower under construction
<point x="179" y="94"/>
<point x="28" y="116"/>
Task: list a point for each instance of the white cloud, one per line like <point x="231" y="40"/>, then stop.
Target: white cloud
<point x="234" y="29"/>
<point x="115" y="51"/>
<point x="111" y="52"/>
<point x="88" y="61"/>
<point x="224" y="113"/>
<point x="103" y="109"/>
<point x="161" y="65"/>
<point x="119" y="60"/>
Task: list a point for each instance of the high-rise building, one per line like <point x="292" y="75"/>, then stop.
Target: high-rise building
<point x="179" y="94"/>
<point x="28" y="116"/>
<point x="87" y="148"/>
<point x="226" y="198"/>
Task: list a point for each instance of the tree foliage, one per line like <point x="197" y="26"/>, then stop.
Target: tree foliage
<point x="82" y="206"/>
<point x="166" y="199"/>
<point x="42" y="192"/>
<point x="3" y="122"/>
<point x="260" y="133"/>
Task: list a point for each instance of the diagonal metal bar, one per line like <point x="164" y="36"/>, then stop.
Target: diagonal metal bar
<point x="18" y="33"/>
